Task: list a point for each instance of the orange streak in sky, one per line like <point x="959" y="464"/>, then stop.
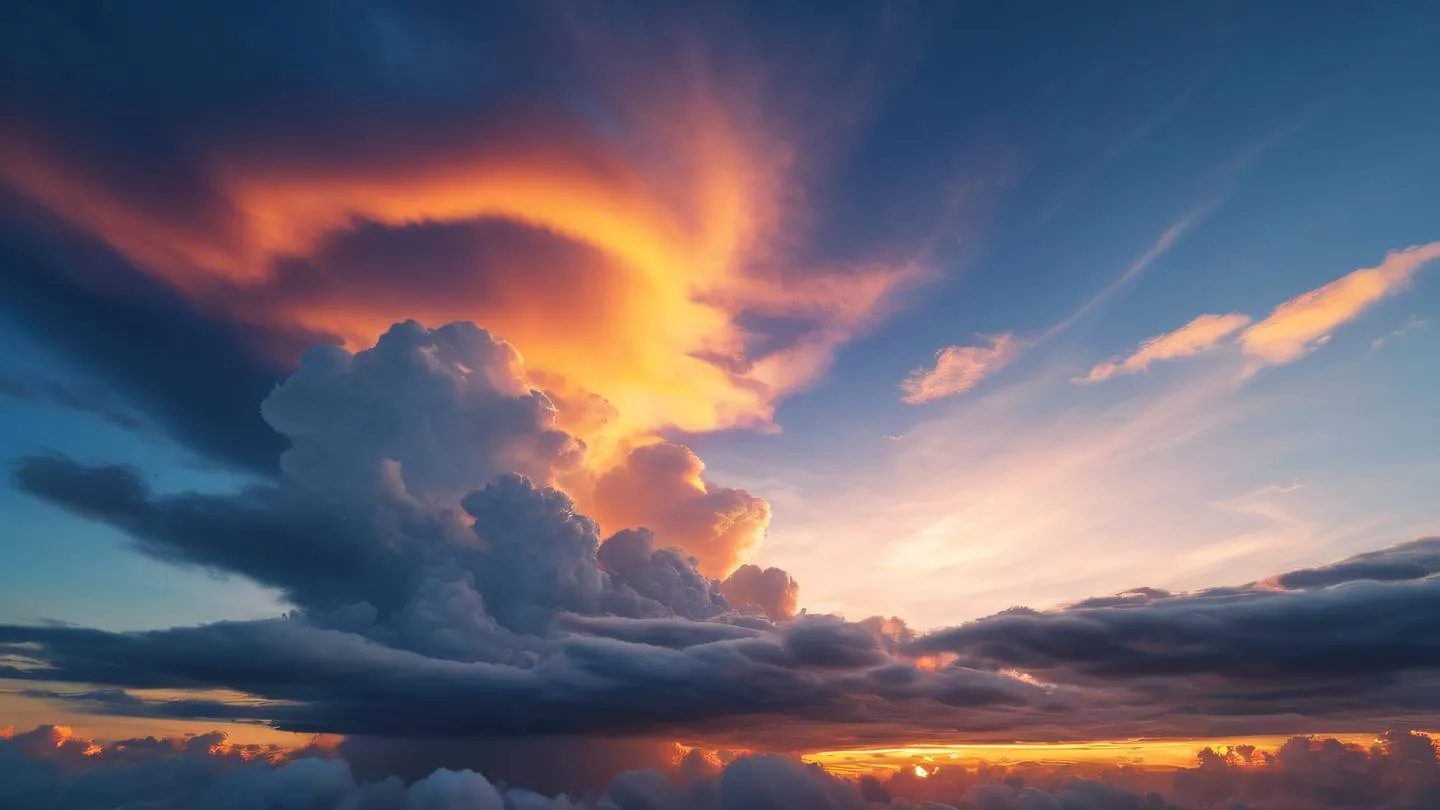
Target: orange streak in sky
<point x="683" y="246"/>
<point x="1146" y="753"/>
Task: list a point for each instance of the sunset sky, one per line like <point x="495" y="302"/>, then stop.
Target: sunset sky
<point x="464" y="384"/>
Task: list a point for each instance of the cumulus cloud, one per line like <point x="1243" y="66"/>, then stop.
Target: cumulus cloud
<point x="450" y="407"/>
<point x="210" y="407"/>
<point x="1200" y="335"/>
<point x="957" y="369"/>
<point x="772" y="590"/>
<point x="1297" y="326"/>
<point x="662" y="487"/>
<point x="438" y="593"/>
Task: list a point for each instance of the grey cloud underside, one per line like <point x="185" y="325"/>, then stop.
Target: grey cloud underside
<point x="426" y="607"/>
<point x="1377" y="613"/>
<point x="209" y="407"/>
<point x="437" y="593"/>
<point x="589" y="654"/>
<point x="326" y="680"/>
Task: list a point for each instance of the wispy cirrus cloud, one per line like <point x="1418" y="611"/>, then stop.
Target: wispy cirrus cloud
<point x="1410" y="325"/>
<point x="1200" y="335"/>
<point x="957" y="369"/>
<point x="1292" y="330"/>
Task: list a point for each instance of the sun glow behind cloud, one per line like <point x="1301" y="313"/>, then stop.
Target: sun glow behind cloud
<point x="1158" y="754"/>
<point x="674" y="245"/>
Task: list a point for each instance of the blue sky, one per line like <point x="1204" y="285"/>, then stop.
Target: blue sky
<point x="1030" y="157"/>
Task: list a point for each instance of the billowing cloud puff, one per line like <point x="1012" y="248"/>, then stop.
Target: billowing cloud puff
<point x="449" y="407"/>
<point x="772" y="590"/>
<point x="665" y="574"/>
<point x="438" y="593"/>
<point x="662" y="487"/>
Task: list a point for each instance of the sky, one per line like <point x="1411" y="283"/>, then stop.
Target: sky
<point x="401" y="388"/>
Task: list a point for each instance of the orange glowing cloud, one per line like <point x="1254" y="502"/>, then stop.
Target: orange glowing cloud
<point x="1297" y="326"/>
<point x="661" y="486"/>
<point x="1200" y="335"/>
<point x="662" y="253"/>
<point x="650" y="262"/>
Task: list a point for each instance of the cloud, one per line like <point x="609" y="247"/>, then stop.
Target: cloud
<point x="1403" y="563"/>
<point x="1283" y="644"/>
<point x="49" y="768"/>
<point x="633" y="217"/>
<point x="437" y="591"/>
<point x="1167" y="240"/>
<point x="1410" y="325"/>
<point x="418" y="560"/>
<point x="1292" y="330"/>
<point x="772" y="590"/>
<point x="960" y="368"/>
<point x="210" y="407"/>
<point x="661" y="487"/>
<point x="1200" y="335"/>
<point x="1297" y="326"/>
<point x="81" y="399"/>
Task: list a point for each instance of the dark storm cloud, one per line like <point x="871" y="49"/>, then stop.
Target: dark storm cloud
<point x="199" y="380"/>
<point x="326" y="680"/>
<point x="426" y="607"/>
<point x="1361" y="633"/>
<point x="438" y="594"/>
<point x="1402" y="563"/>
<point x="310" y="171"/>
<point x="316" y="558"/>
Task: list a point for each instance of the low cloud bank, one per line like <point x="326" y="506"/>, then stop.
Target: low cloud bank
<point x="50" y="768"/>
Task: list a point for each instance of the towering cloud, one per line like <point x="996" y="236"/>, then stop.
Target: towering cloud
<point x="441" y="588"/>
